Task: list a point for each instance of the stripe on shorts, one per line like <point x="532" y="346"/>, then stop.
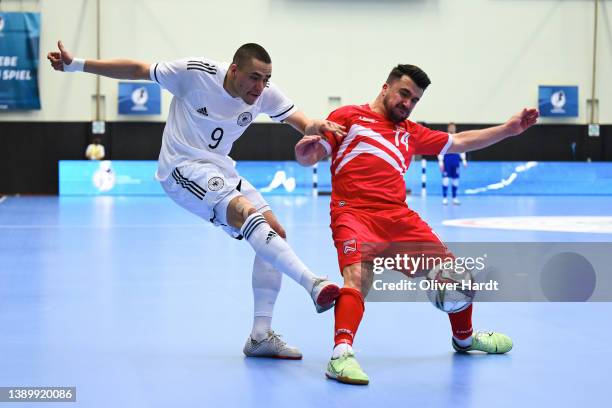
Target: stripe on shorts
<point x="189" y="185"/>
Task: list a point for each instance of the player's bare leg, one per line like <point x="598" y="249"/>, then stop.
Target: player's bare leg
<point x="266" y="242"/>
<point x="343" y="365"/>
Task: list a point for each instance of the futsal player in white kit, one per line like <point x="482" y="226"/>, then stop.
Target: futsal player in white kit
<point x="213" y="104"/>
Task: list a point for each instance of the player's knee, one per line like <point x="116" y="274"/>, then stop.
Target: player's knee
<point x="456" y="182"/>
<point x="445" y="181"/>
<point x="238" y="210"/>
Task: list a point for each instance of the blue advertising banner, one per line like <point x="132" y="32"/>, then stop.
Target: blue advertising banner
<point x="558" y="101"/>
<point x="139" y="98"/>
<point x="19" y="37"/>
<point x="91" y="177"/>
<point x="125" y="178"/>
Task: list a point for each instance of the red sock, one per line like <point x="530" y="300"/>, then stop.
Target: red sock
<point x="348" y="312"/>
<point x="461" y="323"/>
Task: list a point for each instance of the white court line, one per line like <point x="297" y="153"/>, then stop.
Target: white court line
<point x="504" y="182"/>
<point x="586" y="224"/>
<point x="49" y="226"/>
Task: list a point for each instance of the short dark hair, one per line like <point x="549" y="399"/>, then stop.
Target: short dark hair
<point x="415" y="73"/>
<point x="246" y="52"/>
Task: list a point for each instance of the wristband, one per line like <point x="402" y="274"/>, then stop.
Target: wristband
<point x="77" y="65"/>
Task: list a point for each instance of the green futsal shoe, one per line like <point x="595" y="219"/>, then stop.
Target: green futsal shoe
<point x="489" y="342"/>
<point x="346" y="369"/>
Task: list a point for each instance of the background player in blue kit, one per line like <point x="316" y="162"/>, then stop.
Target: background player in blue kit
<point x="449" y="166"/>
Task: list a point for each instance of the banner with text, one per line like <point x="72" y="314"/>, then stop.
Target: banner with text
<point x="19" y="47"/>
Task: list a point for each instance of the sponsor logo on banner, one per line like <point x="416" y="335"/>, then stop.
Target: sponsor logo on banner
<point x="558" y="101"/>
<point x="104" y="178"/>
<point x="140" y="96"/>
<point x="137" y="98"/>
<point x="280" y="179"/>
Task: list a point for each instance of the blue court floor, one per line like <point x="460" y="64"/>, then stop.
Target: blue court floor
<point x="138" y="303"/>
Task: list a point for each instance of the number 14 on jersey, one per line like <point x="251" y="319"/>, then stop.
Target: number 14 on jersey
<point x="403" y="139"/>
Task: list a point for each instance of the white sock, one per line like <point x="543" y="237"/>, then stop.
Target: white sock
<point x="261" y="327"/>
<point x="340" y="349"/>
<point x="275" y="250"/>
<point x="463" y="343"/>
<point x="266" y="285"/>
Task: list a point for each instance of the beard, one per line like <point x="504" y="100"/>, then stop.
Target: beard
<point x="395" y="113"/>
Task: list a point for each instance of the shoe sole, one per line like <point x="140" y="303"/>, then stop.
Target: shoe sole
<point x="346" y="380"/>
<point x="467" y="351"/>
<point x="276" y="357"/>
<point x="327" y="297"/>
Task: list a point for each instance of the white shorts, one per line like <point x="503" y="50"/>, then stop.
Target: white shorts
<point x="206" y="189"/>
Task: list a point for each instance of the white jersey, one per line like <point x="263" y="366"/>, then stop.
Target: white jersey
<point x="205" y="120"/>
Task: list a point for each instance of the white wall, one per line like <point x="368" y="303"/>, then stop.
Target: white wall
<point x="485" y="57"/>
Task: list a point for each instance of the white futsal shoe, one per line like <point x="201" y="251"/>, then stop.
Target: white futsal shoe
<point x="272" y="346"/>
<point x="456" y="201"/>
<point x="324" y="294"/>
<point x="445" y="201"/>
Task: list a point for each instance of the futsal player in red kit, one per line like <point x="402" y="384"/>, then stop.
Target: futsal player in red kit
<point x="368" y="203"/>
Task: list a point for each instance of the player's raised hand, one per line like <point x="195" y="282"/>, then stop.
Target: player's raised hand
<point x="522" y="121"/>
<point x="308" y="151"/>
<point x="60" y="58"/>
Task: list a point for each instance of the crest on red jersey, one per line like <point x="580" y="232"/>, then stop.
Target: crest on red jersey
<point x="349" y="246"/>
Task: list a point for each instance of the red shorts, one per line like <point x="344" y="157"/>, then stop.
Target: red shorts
<point x="387" y="229"/>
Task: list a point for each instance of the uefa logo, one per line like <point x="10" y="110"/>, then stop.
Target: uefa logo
<point x="104" y="178"/>
<point x="140" y="97"/>
<point x="558" y="101"/>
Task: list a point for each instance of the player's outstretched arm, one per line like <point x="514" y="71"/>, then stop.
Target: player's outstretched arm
<point x="477" y="139"/>
<point x="63" y="60"/>
<point x="309" y="151"/>
<point x="307" y="126"/>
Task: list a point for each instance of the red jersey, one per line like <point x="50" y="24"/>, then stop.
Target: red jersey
<point x="369" y="163"/>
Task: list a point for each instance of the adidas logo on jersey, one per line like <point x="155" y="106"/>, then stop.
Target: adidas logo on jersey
<point x="367" y="119"/>
<point x="271" y="235"/>
<point x="203" y="111"/>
